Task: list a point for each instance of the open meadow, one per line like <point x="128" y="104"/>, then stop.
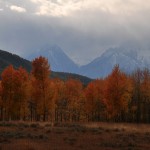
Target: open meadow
<point x="74" y="136"/>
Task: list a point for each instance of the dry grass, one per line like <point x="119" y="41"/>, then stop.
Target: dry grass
<point x="73" y="136"/>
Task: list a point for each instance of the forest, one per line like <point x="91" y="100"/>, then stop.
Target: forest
<point x="34" y="96"/>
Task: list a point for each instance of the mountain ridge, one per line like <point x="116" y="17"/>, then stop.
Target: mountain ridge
<point x="127" y="57"/>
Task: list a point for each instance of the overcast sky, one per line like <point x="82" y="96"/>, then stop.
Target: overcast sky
<point x="82" y="28"/>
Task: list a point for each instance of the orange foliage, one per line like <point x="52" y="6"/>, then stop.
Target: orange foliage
<point x="14" y="83"/>
<point x="40" y="68"/>
<point x="58" y="91"/>
<point x="145" y="86"/>
<point x="40" y="84"/>
<point x="7" y="88"/>
<point x="20" y="80"/>
<point x="117" y="92"/>
<point x="74" y="93"/>
<point x="94" y="93"/>
<point x="1" y="95"/>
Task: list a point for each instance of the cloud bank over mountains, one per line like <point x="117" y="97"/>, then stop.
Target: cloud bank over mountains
<point x="83" y="28"/>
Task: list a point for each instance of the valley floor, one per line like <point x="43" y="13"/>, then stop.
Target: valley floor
<point x="73" y="136"/>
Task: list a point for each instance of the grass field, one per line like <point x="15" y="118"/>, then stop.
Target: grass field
<point x="74" y="136"/>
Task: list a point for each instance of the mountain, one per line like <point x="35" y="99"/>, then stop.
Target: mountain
<point x="7" y="59"/>
<point x="128" y="59"/>
<point x="58" y="60"/>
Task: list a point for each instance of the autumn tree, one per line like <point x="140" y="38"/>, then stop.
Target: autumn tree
<point x="145" y="89"/>
<point x="40" y="82"/>
<point x="74" y="97"/>
<point x="94" y="94"/>
<point x="20" y="87"/>
<point x="14" y="95"/>
<point x="1" y="102"/>
<point x="137" y="79"/>
<point x="59" y="103"/>
<point x="8" y="90"/>
<point x="141" y="95"/>
<point x="117" y="93"/>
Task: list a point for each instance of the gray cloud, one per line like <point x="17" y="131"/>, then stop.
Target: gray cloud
<point x="83" y="28"/>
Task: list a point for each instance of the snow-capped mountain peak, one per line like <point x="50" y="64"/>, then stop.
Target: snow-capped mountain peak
<point x="128" y="59"/>
<point x="58" y="60"/>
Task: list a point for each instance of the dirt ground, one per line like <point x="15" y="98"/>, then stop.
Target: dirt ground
<point x="91" y="136"/>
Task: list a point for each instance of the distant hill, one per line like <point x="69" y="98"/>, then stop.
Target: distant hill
<point x="7" y="58"/>
<point x="64" y="76"/>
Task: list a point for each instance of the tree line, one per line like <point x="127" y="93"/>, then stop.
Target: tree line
<point x="34" y="96"/>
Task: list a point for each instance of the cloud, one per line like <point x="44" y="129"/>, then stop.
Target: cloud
<point x="70" y="7"/>
<point x="83" y="28"/>
<point x="17" y="8"/>
<point x="1" y="9"/>
<point x="56" y="8"/>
